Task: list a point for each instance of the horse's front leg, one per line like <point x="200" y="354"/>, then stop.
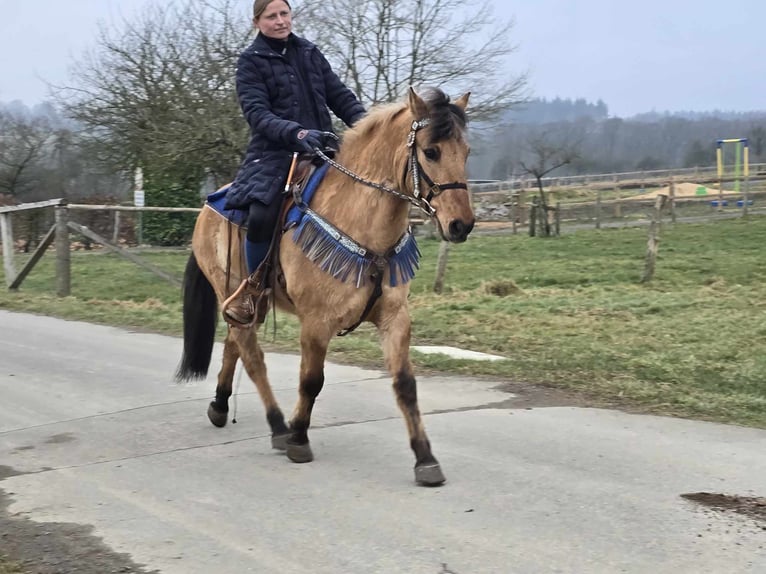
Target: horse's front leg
<point x="395" y="336"/>
<point x="313" y="353"/>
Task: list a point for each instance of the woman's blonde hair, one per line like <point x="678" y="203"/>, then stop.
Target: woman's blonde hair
<point x="260" y="5"/>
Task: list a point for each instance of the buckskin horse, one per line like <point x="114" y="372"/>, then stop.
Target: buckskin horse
<point x="347" y="257"/>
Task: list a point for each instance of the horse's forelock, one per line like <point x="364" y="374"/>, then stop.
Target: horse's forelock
<point x="448" y="121"/>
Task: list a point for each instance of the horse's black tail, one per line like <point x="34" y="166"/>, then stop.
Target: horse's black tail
<point x="200" y="312"/>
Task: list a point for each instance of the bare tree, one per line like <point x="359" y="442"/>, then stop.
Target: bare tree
<point x="23" y="148"/>
<point x="381" y="47"/>
<point x="159" y="91"/>
<point x="549" y="150"/>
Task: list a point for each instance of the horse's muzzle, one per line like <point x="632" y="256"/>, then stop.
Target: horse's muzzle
<point x="459" y="230"/>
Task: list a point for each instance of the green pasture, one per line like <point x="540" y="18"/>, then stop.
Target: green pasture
<point x="567" y="312"/>
<point x="9" y="567"/>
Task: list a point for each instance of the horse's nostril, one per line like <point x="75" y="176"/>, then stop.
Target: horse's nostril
<point x="459" y="230"/>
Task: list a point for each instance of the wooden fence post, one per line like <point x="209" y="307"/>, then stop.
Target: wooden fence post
<point x="598" y="209"/>
<point x="522" y="203"/>
<point x="63" y="254"/>
<point x="6" y="235"/>
<point x="558" y="218"/>
<point x="653" y="243"/>
<point x="116" y="231"/>
<point x="533" y="217"/>
<point x="441" y="266"/>
<point x="514" y="211"/>
<point x="672" y="198"/>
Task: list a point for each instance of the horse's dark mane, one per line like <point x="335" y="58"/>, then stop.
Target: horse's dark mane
<point x="447" y="119"/>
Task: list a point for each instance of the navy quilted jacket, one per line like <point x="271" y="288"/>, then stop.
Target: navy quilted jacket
<point x="279" y="95"/>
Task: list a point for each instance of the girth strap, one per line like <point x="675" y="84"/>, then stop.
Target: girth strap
<point x="377" y="291"/>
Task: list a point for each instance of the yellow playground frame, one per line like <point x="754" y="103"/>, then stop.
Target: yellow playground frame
<point x="741" y="169"/>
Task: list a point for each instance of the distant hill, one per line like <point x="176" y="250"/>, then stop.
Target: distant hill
<point x="654" y="116"/>
<point x="544" y="111"/>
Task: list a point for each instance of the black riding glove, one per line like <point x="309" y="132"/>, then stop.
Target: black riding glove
<point x="310" y="139"/>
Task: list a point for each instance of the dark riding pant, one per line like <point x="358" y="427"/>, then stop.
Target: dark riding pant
<point x="262" y="220"/>
<point x="261" y="223"/>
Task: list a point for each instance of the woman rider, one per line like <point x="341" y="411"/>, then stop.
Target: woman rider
<point x="285" y="88"/>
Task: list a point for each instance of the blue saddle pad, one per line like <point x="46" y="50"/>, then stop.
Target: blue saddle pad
<point x="217" y="201"/>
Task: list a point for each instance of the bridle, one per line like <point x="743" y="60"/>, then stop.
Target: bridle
<point x="413" y="165"/>
<point x="434" y="189"/>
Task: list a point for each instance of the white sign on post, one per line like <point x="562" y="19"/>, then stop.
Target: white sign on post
<point x="138" y="188"/>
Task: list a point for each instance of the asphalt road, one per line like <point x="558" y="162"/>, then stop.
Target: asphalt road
<point x="93" y="431"/>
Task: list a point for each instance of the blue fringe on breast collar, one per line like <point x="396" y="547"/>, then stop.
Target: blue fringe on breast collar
<point x="344" y="259"/>
<point x="337" y="254"/>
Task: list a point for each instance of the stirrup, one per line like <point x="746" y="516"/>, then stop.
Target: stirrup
<point x="242" y="292"/>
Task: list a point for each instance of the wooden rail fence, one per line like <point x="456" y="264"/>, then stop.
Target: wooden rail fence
<point x="520" y="206"/>
<point x="60" y="232"/>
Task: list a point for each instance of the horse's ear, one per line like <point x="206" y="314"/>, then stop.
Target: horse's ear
<point x="462" y="101"/>
<point x="417" y="106"/>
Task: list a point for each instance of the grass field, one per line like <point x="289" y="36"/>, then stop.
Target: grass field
<point x="9" y="567"/>
<point x="568" y="312"/>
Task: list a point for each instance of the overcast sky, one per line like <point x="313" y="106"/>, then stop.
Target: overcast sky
<point x="637" y="56"/>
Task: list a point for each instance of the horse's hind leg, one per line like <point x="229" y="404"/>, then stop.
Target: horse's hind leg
<point x="252" y="359"/>
<point x="218" y="410"/>
<point x="395" y="336"/>
<point x="313" y="353"/>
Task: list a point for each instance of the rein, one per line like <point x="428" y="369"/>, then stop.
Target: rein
<point x="418" y="173"/>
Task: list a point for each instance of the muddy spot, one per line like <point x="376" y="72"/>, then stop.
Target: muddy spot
<point x="62" y="438"/>
<point x="528" y="396"/>
<point x="751" y="507"/>
<point x="55" y="547"/>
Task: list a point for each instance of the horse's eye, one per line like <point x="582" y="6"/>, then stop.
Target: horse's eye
<point x="431" y="153"/>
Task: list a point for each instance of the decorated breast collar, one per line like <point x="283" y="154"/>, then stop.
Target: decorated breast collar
<point x="338" y="254"/>
<point x="346" y="260"/>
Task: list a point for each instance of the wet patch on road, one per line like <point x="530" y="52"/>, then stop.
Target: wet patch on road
<point x="62" y="438"/>
<point x="8" y="472"/>
<point x="55" y="547"/>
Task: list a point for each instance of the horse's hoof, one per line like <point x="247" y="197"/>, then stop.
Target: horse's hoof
<point x="299" y="452"/>
<point x="217" y="417"/>
<point x="429" y="474"/>
<point x="279" y="441"/>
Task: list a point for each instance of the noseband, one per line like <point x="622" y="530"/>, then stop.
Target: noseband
<point x="418" y="173"/>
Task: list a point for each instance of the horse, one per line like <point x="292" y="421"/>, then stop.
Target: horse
<point x="412" y="152"/>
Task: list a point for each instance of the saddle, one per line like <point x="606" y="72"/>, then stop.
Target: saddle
<point x="303" y="180"/>
<point x="259" y="285"/>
